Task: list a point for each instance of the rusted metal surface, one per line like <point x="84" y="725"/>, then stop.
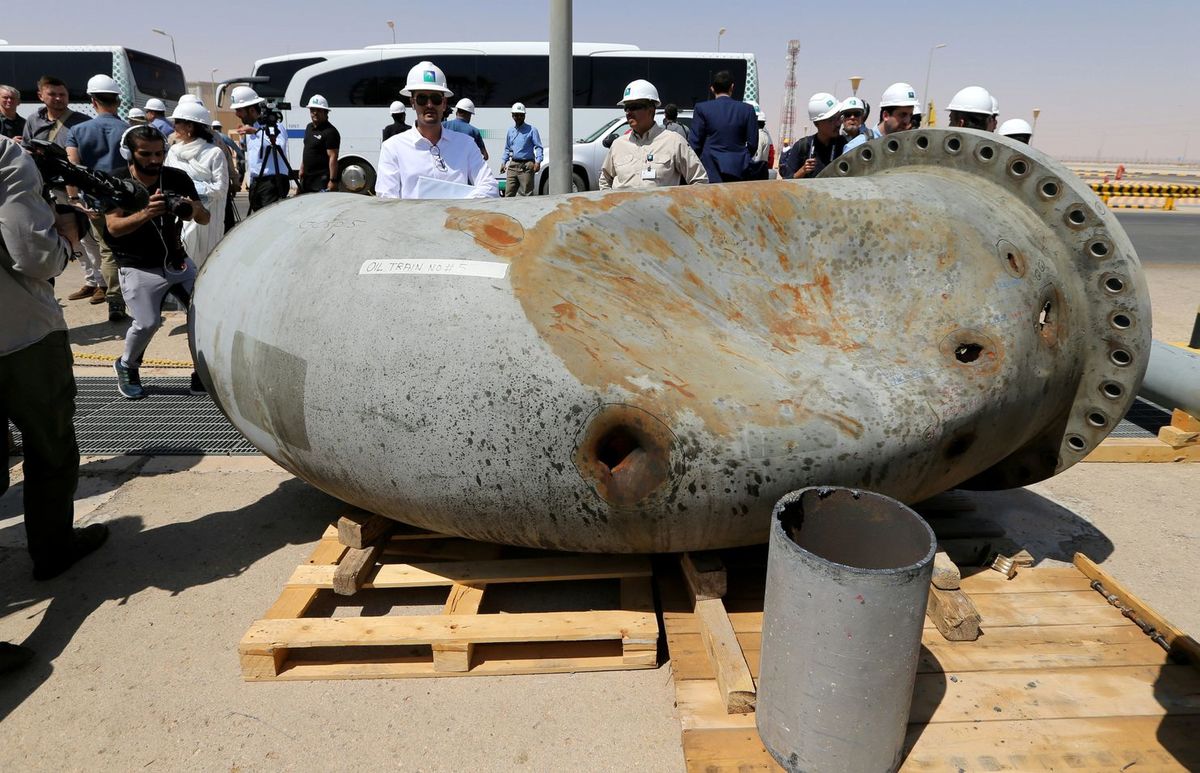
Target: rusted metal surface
<point x="636" y="371"/>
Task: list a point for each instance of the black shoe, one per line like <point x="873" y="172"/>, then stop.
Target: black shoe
<point x="86" y="541"/>
<point x="197" y="386"/>
<point x="13" y="656"/>
<point x="116" y="311"/>
<point x="129" y="381"/>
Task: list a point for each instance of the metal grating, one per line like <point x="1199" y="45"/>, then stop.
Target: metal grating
<point x="172" y="422"/>
<point x="169" y="421"/>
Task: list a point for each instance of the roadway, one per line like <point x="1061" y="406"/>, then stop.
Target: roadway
<point x="1163" y="237"/>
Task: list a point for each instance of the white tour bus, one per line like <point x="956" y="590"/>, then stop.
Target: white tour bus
<point x="360" y="85"/>
<point x="141" y="76"/>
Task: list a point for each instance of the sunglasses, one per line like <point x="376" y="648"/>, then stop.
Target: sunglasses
<point x="429" y="99"/>
<point x="854" y="114"/>
<point x="632" y="106"/>
<point x="438" y="161"/>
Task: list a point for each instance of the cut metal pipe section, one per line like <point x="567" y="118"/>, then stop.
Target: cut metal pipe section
<point x="1173" y="378"/>
<point x="847" y="580"/>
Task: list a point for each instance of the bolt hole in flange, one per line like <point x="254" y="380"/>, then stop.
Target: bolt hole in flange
<point x="1018" y="167"/>
<point x="1076" y="217"/>
<point x="923" y="142"/>
<point x="1013" y="258"/>
<point x="1097" y="419"/>
<point x="843" y="167"/>
<point x="1049" y="189"/>
<point x="1114" y="284"/>
<point x="953" y="144"/>
<point x="866" y="155"/>
<point x="1076" y="443"/>
<point x="1099" y="248"/>
<point x="1112" y="390"/>
<point x="1121" y="321"/>
<point x="1120" y="357"/>
<point x="892" y="146"/>
<point x="985" y="153"/>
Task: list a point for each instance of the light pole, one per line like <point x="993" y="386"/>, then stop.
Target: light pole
<point x="720" y="32"/>
<point x="1036" y="112"/>
<point x="855" y="82"/>
<point x="172" y="37"/>
<point x="212" y="81"/>
<point x="928" y="70"/>
<point x="392" y="26"/>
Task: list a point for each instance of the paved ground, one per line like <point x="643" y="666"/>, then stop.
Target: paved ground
<point x="137" y="665"/>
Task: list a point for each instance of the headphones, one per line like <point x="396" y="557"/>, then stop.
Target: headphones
<point x="126" y="147"/>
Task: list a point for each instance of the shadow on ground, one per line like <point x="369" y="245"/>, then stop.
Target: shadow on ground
<point x="172" y="557"/>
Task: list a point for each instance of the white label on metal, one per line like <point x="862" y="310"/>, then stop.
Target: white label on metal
<point x="443" y="266"/>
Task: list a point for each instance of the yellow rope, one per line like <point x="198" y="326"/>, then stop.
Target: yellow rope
<point x="107" y="358"/>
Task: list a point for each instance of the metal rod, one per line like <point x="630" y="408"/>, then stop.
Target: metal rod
<point x="561" y="96"/>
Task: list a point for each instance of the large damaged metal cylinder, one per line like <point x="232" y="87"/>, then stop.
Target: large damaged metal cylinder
<point x="651" y="370"/>
<point x="847" y="579"/>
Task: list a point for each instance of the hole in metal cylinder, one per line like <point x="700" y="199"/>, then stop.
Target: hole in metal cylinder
<point x="1114" y="284"/>
<point x="1018" y="168"/>
<point x="953" y="144"/>
<point x="857" y="529"/>
<point x="1121" y="321"/>
<point x="616" y="446"/>
<point x="1049" y="189"/>
<point x="893" y="146"/>
<point x="866" y="154"/>
<point x="1076" y="443"/>
<point x="1077" y="216"/>
<point x="1120" y="357"/>
<point x="1098" y="249"/>
<point x="922" y="142"/>
<point x="967" y="352"/>
<point x="1112" y="390"/>
<point x="1097" y="419"/>
<point x="843" y="167"/>
<point x="987" y="152"/>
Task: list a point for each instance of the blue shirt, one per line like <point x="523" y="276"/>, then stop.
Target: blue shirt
<point x="99" y="142"/>
<point x="463" y="127"/>
<point x="163" y="125"/>
<point x="865" y="135"/>
<point x="523" y="143"/>
<point x="257" y="145"/>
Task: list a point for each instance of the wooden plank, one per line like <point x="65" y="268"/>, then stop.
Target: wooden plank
<point x="1176" y="437"/>
<point x="328" y="550"/>
<point x="637" y="595"/>
<point x="998" y="649"/>
<point x="1181" y="419"/>
<point x="705" y="575"/>
<point x="351" y="572"/>
<point x="456" y="656"/>
<point x="945" y="572"/>
<point x="1181" y="644"/>
<point x="1075" y="744"/>
<point x="1047" y="578"/>
<point x="1120" y="449"/>
<point x="726" y="750"/>
<point x="954" y="614"/>
<point x="359" y="529"/>
<point x="264" y="635"/>
<point x="720" y="642"/>
<point x="432" y="575"/>
<point x="974" y="697"/>
<point x="292" y="602"/>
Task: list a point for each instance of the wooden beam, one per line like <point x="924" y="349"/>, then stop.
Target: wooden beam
<point x="1185" y="421"/>
<point x="1122" y="449"/>
<point x="360" y="529"/>
<point x="456" y="656"/>
<point x="1181" y="645"/>
<point x="351" y="573"/>
<point x="1176" y="437"/>
<point x="446" y="573"/>
<point x="705" y="575"/>
<point x="954" y="614"/>
<point x="733" y="673"/>
<point x="945" y="572"/>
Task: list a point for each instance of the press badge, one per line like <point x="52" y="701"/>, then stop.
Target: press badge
<point x="648" y="172"/>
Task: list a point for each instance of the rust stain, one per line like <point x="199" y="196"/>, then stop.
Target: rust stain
<point x="784" y="263"/>
<point x="490" y="229"/>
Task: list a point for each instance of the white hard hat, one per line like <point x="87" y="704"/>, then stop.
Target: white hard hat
<point x="244" y="96"/>
<point x="465" y="105"/>
<point x="972" y="99"/>
<point x="137" y="112"/>
<point x="425" y="76"/>
<point x="852" y="103"/>
<point x="1015" y="126"/>
<point x="995" y="106"/>
<point x="156" y="104"/>
<point x="397" y="108"/>
<point x="917" y="109"/>
<point x="638" y="90"/>
<point x="216" y="124"/>
<point x="821" y="106"/>
<point x="317" y="101"/>
<point x="899" y="95"/>
<point x="190" y="98"/>
<point x="518" y="108"/>
<point x="102" y="84"/>
<point x="191" y="111"/>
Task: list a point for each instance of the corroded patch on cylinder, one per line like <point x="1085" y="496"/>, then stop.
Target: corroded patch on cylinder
<point x="624" y="453"/>
<point x="491" y="229"/>
<point x="972" y="349"/>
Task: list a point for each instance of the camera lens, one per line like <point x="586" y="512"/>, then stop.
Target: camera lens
<point x="182" y="209"/>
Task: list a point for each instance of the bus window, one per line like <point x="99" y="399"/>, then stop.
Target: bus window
<point x="281" y="74"/>
<point x="21" y="70"/>
<point x="685" y="81"/>
<point x="156" y="77"/>
<point x="610" y="76"/>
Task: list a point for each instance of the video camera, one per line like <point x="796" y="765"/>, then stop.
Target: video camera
<point x="272" y="112"/>
<point x="111" y="192"/>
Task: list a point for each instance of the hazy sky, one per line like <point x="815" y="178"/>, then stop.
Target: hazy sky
<point x="1114" y="79"/>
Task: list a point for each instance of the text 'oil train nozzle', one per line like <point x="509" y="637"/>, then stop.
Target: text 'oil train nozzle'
<point x="651" y="370"/>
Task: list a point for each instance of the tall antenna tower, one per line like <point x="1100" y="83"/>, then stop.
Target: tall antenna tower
<point x="787" y="122"/>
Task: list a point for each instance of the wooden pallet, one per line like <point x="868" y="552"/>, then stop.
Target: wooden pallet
<point x="1059" y="680"/>
<point x="299" y="639"/>
<point x="1178" y="441"/>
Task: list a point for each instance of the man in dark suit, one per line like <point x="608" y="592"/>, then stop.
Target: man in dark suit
<point x="724" y="133"/>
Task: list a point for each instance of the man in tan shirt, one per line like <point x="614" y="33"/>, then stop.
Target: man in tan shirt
<point x="649" y="156"/>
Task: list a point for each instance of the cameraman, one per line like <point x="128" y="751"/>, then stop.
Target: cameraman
<point x="37" y="389"/>
<point x="148" y="248"/>
<point x="266" y="159"/>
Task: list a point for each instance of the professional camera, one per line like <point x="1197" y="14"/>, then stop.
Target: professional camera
<point x="272" y="112"/>
<point x="179" y="206"/>
<point x="111" y="192"/>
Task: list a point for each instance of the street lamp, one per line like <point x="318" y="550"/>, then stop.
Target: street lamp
<point x="720" y="32"/>
<point x="1036" y="112"/>
<point x="172" y="37"/>
<point x="212" y="81"/>
<point x="392" y="26"/>
<point x="928" y="70"/>
<point x="855" y="82"/>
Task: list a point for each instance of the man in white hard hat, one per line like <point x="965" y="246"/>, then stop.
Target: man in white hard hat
<point x="398" y="123"/>
<point x="764" y="157"/>
<point x="995" y="119"/>
<point x="971" y="108"/>
<point x="268" y="172"/>
<point x="137" y="116"/>
<point x="1017" y="129"/>
<point x="96" y="144"/>
<point x="522" y="154"/>
<point x="814" y="152"/>
<point x="318" y="165"/>
<point x="156" y="116"/>
<point x="724" y="132"/>
<point x="461" y="122"/>
<point x="427" y="157"/>
<point x="854" y="113"/>
<point x="896" y="108"/>
<point x="648" y="155"/>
